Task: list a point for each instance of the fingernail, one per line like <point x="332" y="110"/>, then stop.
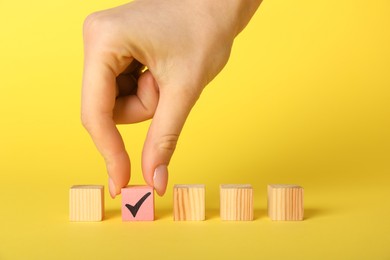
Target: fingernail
<point x="111" y="188"/>
<point x="160" y="179"/>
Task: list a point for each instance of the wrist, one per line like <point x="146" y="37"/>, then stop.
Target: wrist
<point x="234" y="14"/>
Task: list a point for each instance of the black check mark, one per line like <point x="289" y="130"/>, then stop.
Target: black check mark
<point x="134" y="209"/>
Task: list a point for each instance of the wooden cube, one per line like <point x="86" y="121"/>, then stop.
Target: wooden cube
<point x="86" y="203"/>
<point x="236" y="202"/>
<point x="285" y="202"/>
<point x="189" y="202"/>
<point x="137" y="203"/>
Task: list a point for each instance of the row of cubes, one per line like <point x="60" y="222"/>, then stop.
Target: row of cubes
<point x="285" y="202"/>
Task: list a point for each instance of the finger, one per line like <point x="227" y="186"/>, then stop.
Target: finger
<point x="98" y="100"/>
<point x="126" y="85"/>
<point x="139" y="107"/>
<point x="173" y="108"/>
<point x="127" y="81"/>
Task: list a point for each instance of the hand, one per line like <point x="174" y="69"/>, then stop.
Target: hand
<point x="184" y="44"/>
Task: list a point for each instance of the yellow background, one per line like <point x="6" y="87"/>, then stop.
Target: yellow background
<point x="304" y="99"/>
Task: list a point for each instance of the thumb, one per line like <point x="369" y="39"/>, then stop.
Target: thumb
<point x="172" y="110"/>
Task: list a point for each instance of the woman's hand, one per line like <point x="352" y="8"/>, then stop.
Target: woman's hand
<point x="184" y="44"/>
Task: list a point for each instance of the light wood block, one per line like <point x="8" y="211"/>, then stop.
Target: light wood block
<point x="137" y="203"/>
<point x="86" y="203"/>
<point x="285" y="202"/>
<point x="236" y="202"/>
<point x="189" y="202"/>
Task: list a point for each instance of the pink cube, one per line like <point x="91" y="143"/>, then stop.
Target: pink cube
<point x="137" y="203"/>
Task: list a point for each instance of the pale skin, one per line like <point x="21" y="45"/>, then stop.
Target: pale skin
<point x="184" y="44"/>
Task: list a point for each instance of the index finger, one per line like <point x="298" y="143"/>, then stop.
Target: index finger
<point x="97" y="104"/>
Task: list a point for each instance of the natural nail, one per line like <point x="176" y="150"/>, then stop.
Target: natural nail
<point x="112" y="188"/>
<point x="160" y="179"/>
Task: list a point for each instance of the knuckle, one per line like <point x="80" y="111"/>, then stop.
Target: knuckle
<point x="90" y="22"/>
<point x="89" y="19"/>
<point x="95" y="24"/>
<point x="168" y="142"/>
